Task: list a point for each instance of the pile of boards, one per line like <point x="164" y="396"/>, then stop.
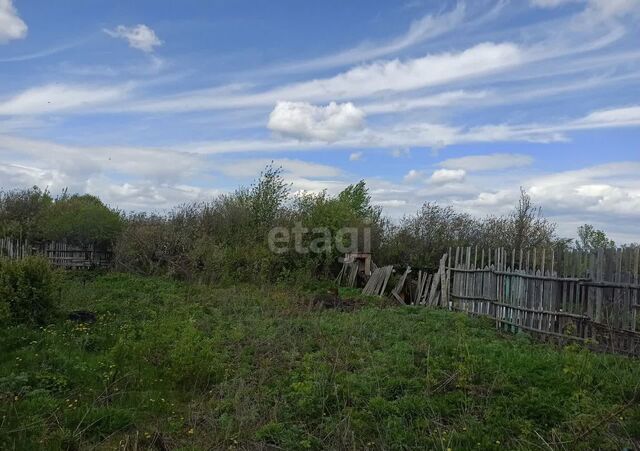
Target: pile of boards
<point x="349" y="273"/>
<point x="377" y="283"/>
<point x="428" y="289"/>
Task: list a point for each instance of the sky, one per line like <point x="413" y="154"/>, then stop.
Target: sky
<point x="150" y="104"/>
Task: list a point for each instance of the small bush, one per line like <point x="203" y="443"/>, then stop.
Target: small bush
<point x="27" y="290"/>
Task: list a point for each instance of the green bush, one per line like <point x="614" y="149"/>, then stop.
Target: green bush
<point x="27" y="290"/>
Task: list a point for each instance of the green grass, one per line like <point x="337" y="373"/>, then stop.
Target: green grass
<point x="196" y="367"/>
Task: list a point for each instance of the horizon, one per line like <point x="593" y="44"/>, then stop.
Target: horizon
<point x="151" y="105"/>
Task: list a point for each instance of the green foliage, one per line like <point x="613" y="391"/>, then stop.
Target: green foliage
<point x="421" y="239"/>
<point x="196" y="367"/>
<point x="32" y="214"/>
<point x="266" y="199"/>
<point x="81" y="220"/>
<point x="21" y="213"/>
<point x="591" y="239"/>
<point x="27" y="290"/>
<point x="225" y="240"/>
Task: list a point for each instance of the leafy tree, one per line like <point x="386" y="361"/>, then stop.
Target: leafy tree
<point x="21" y="212"/>
<point x="266" y="198"/>
<point x="590" y="239"/>
<point x="357" y="198"/>
<point x="529" y="227"/>
<point x="81" y="220"/>
<point x="420" y="240"/>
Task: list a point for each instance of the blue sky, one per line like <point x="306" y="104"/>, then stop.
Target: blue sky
<point x="149" y="104"/>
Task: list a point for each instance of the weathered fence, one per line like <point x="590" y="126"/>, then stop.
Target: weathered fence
<point x="587" y="297"/>
<point x="58" y="253"/>
<point x="590" y="297"/>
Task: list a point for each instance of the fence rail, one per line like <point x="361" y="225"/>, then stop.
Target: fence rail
<point x="58" y="253"/>
<point x="589" y="297"/>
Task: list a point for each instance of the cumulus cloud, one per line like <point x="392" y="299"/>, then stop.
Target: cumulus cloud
<point x="140" y="37"/>
<point x="308" y="122"/>
<point x="488" y="162"/>
<point x="355" y="156"/>
<point x="606" y="195"/>
<point x="11" y="26"/>
<point x="414" y="176"/>
<point x="444" y="176"/>
<point x="59" y="97"/>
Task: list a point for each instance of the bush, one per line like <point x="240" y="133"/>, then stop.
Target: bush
<point x="81" y="220"/>
<point x="27" y="290"/>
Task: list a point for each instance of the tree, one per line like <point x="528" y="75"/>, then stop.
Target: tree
<point x="357" y="198"/>
<point x="81" y="220"/>
<point x="267" y="197"/>
<point x="529" y="228"/>
<point x="590" y="239"/>
<point x="21" y="212"/>
<point x="420" y="240"/>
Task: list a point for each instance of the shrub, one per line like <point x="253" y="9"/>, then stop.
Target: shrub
<point x="81" y="220"/>
<point x="27" y="290"/>
<point x="22" y="212"/>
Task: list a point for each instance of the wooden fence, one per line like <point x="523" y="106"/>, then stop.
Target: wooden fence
<point x="58" y="253"/>
<point x="587" y="297"/>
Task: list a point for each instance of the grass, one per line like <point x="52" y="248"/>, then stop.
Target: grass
<point x="170" y="365"/>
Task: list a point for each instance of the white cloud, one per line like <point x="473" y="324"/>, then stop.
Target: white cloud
<point x="443" y="99"/>
<point x="397" y="75"/>
<point x="129" y="177"/>
<point x="614" y="117"/>
<point x="11" y="26"/>
<point x="140" y="37"/>
<point x="611" y="188"/>
<point x="434" y="135"/>
<point x="414" y="176"/>
<point x="304" y="121"/>
<point x="420" y="30"/>
<point x="391" y="203"/>
<point x="377" y="78"/>
<point x="355" y="156"/>
<point x="444" y="176"/>
<point x="291" y="168"/>
<point x="605" y="9"/>
<point x="606" y="195"/>
<point x="401" y="152"/>
<point x="80" y="162"/>
<point x="551" y="3"/>
<point x="488" y="162"/>
<point x="145" y="195"/>
<point x="59" y="97"/>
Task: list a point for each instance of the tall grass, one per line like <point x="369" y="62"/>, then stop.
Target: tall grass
<point x="177" y="365"/>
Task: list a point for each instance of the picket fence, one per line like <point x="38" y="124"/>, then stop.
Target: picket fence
<point x="588" y="297"/>
<point x="60" y="254"/>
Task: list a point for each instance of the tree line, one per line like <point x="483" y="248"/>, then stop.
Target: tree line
<point x="226" y="239"/>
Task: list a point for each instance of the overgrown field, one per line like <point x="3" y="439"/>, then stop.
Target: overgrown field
<point x="169" y="365"/>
